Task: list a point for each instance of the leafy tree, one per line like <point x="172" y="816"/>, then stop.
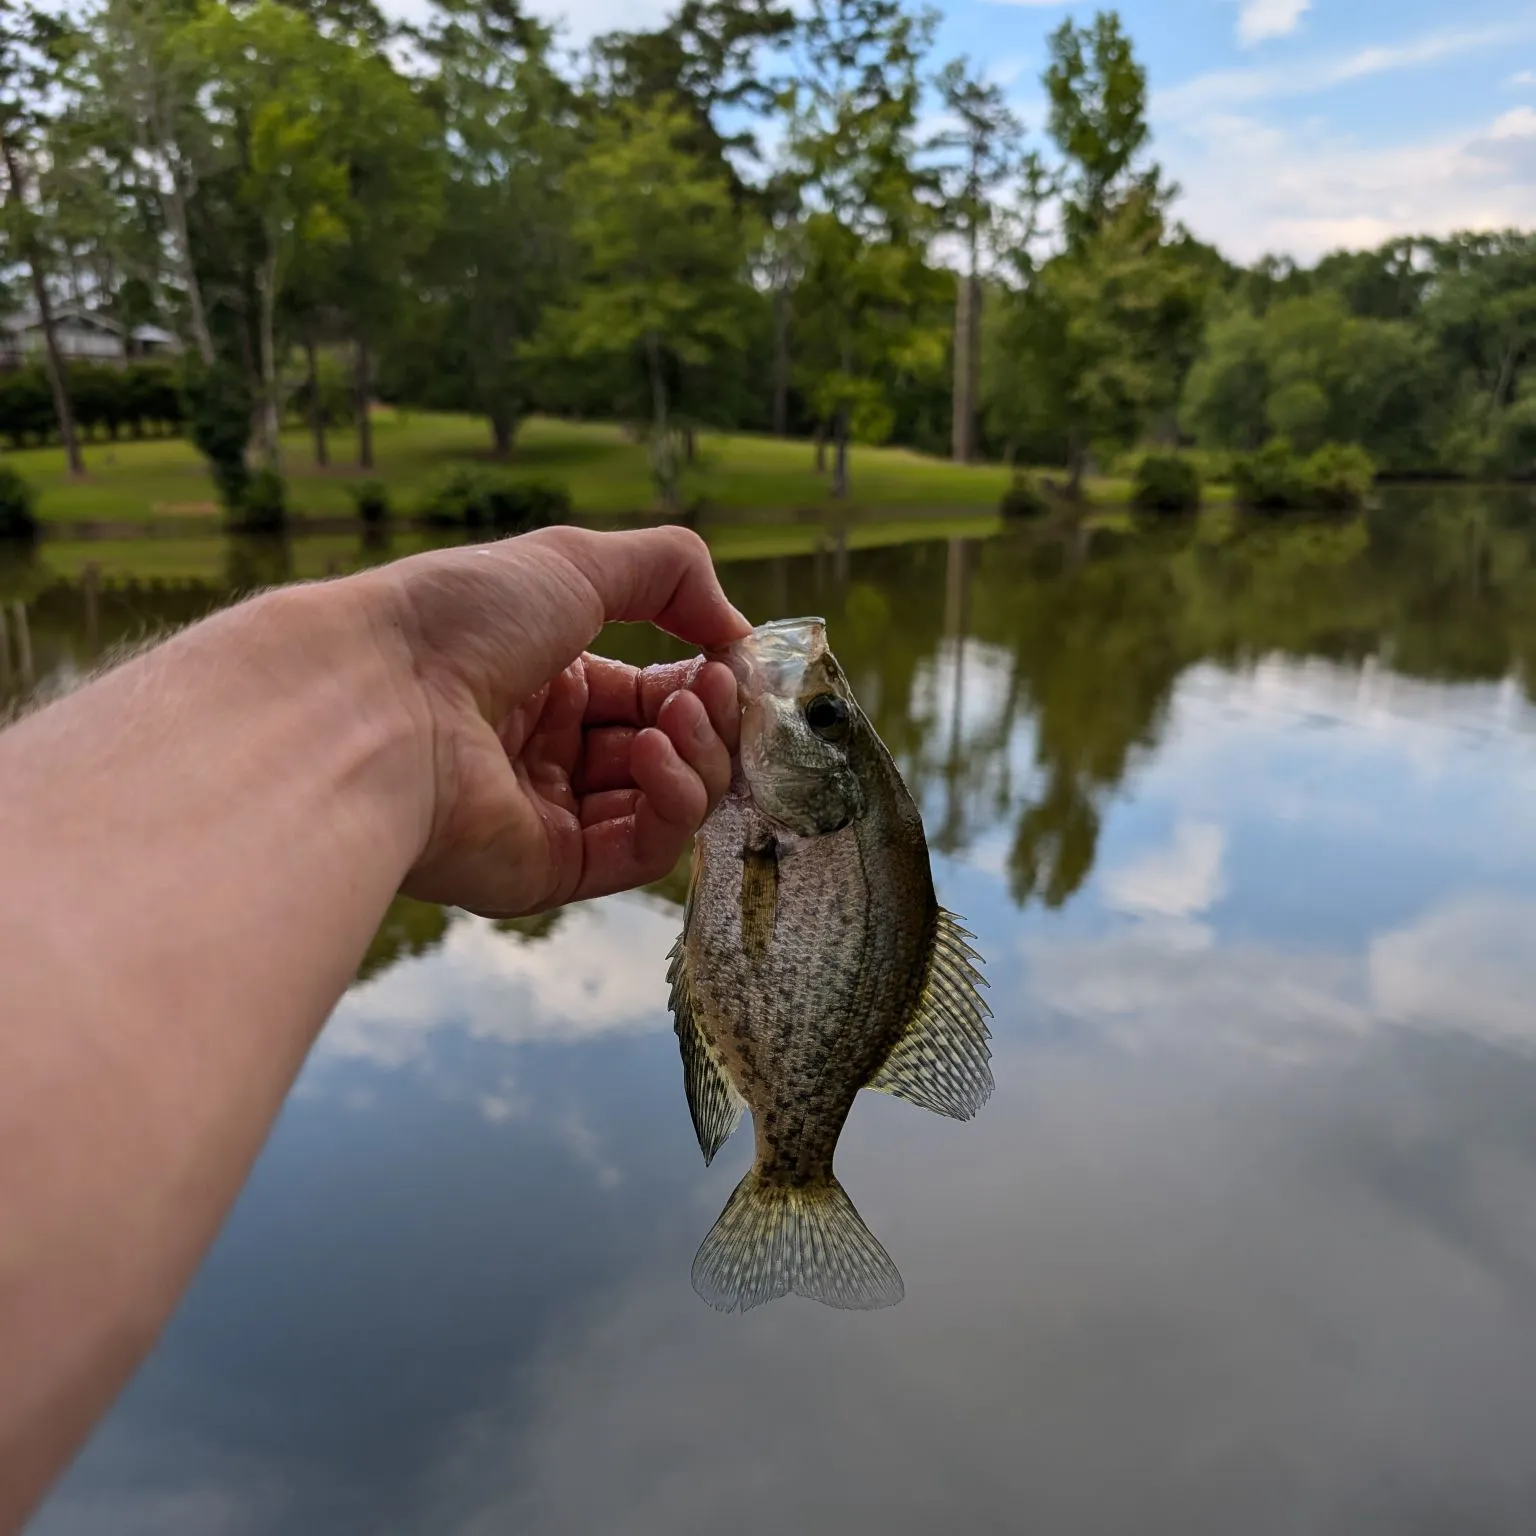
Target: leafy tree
<point x="663" y="254"/>
<point x="1098" y="120"/>
<point x="853" y="116"/>
<point x="32" y="43"/>
<point x="1100" y="334"/>
<point x="270" y="93"/>
<point x="989" y="138"/>
<point x="503" y="246"/>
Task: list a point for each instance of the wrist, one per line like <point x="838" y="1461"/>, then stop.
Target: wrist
<point x="342" y="648"/>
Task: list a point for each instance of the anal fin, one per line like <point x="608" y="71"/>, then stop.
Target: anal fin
<point x="942" y="1060"/>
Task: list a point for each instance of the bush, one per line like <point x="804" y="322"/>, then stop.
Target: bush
<point x="26" y="405"/>
<point x="371" y="500"/>
<point x="1337" y="478"/>
<point x="1165" y="482"/>
<point x="18" y="499"/>
<point x="1271" y="480"/>
<point x="1341" y="476"/>
<point x="264" y="504"/>
<point x="219" y="410"/>
<point x="478" y="499"/>
<point x="1023" y="498"/>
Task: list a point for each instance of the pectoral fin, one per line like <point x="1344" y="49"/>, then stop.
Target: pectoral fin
<point x="941" y="1062"/>
<point x="759" y="899"/>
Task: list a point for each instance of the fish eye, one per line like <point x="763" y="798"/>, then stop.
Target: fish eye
<point x="826" y="714"/>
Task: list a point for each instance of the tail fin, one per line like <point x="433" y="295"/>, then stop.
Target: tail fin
<point x="772" y="1239"/>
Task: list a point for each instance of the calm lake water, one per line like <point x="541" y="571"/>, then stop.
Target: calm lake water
<point x="1244" y="1242"/>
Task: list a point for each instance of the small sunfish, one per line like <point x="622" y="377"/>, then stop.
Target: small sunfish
<point x="814" y="961"/>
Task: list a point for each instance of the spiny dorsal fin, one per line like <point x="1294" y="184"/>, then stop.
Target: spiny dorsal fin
<point x="941" y="1060"/>
<point x="712" y="1098"/>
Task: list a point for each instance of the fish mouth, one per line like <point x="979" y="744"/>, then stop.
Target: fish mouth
<point x="773" y="659"/>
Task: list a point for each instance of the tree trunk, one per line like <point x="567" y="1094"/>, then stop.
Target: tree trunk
<point x="840" y="459"/>
<point x="57" y="380"/>
<point x="316" y="413"/>
<point x="661" y="450"/>
<point x="967" y="362"/>
<point x="781" y="362"/>
<point x="1506" y="372"/>
<point x="501" y="430"/>
<point x="361" y="383"/>
<point x="690" y="445"/>
<point x="176" y="209"/>
<point x="1077" y="463"/>
<point x="821" y="447"/>
<point x="271" y="452"/>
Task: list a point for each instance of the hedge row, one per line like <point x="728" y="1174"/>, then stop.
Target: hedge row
<point x="135" y="397"/>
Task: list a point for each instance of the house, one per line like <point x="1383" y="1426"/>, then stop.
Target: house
<point x="82" y="336"/>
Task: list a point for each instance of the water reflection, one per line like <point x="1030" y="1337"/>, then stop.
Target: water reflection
<point x="1245" y="1240"/>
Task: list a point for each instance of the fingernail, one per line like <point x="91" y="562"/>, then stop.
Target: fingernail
<point x="705" y="729"/>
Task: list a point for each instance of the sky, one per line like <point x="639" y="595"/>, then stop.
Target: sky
<point x="1292" y="126"/>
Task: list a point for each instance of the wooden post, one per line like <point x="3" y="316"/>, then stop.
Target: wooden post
<point x="90" y="584"/>
<point x="23" y="644"/>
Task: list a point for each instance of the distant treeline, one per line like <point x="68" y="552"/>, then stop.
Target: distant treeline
<point x="736" y="219"/>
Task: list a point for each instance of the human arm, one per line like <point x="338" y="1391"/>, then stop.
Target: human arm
<point x="196" y="848"/>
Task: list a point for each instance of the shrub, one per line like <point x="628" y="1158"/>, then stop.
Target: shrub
<point x="1023" y="498"/>
<point x="1340" y="476"/>
<point x="1271" y="480"/>
<point x="371" y="500"/>
<point x="26" y="405"/>
<point x="1166" y="482"/>
<point x="475" y="499"/>
<point x="18" y="499"/>
<point x="219" y="411"/>
<point x="264" y="504"/>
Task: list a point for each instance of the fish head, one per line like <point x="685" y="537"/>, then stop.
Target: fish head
<point x="800" y="727"/>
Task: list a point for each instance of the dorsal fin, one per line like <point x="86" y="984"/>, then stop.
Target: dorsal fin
<point x="941" y="1061"/>
<point x="712" y="1098"/>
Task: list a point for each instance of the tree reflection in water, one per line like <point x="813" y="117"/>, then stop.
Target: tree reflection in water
<point x="1015" y="679"/>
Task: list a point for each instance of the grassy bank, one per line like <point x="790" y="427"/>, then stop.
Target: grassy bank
<point x="164" y="482"/>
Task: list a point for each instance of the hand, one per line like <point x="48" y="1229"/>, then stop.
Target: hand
<point x="557" y="775"/>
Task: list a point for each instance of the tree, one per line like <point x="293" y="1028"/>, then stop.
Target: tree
<point x="143" y="86"/>
<point x="988" y="137"/>
<point x="31" y="46"/>
<point x="387" y="142"/>
<point x="1104" y="332"/>
<point x="270" y="94"/>
<point x="663" y="255"/>
<point x="706" y="62"/>
<point x="1098" y="120"/>
<point x="852" y="145"/>
<point x="503" y="248"/>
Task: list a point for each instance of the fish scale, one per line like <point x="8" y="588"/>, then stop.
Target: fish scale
<point x="814" y="962"/>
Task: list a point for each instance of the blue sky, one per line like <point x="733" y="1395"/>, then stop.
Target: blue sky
<point x="1293" y="126"/>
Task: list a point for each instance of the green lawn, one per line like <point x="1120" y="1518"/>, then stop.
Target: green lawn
<point x="606" y="473"/>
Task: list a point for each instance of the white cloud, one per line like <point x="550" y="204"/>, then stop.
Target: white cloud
<point x="1226" y="89"/>
<point x="602" y="971"/>
<point x="1261" y="19"/>
<point x="1253" y="188"/>
<point x="1469" y="968"/>
<point x="1178" y="881"/>
<point x="1522" y="79"/>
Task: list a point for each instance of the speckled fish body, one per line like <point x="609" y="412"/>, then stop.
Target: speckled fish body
<point x="814" y="962"/>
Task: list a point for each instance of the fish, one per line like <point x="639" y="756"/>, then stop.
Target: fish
<point x="814" y="961"/>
